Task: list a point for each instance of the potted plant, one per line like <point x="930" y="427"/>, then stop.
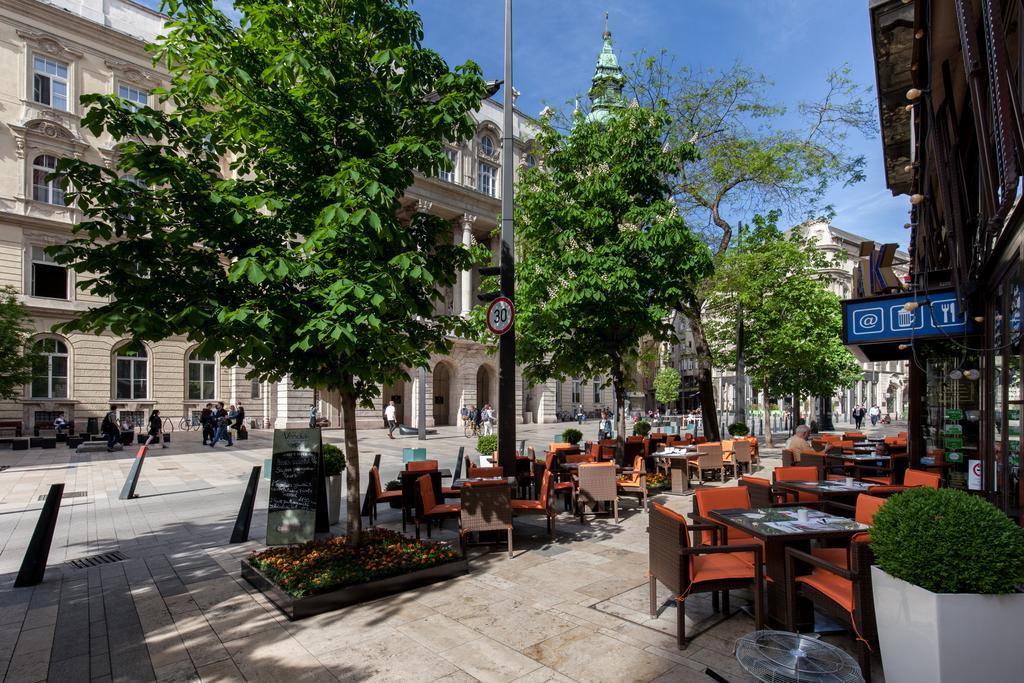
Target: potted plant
<point x="394" y="485"/>
<point x="334" y="463"/>
<point x="572" y="436"/>
<point x="738" y="429"/>
<point x="642" y="428"/>
<point x="485" y="446"/>
<point x="947" y="587"/>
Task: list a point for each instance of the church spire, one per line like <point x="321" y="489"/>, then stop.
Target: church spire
<point x="608" y="81"/>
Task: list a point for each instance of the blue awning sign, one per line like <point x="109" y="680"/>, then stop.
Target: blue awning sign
<point x="885" y="319"/>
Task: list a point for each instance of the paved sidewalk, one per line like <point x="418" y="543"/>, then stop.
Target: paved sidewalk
<point x="176" y="610"/>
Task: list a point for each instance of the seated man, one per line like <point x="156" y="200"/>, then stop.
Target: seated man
<point x="798" y="442"/>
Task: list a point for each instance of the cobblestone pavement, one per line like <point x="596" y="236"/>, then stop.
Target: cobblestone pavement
<point x="176" y="608"/>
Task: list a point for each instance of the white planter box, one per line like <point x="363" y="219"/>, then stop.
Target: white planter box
<point x="929" y="637"/>
<point x="334" y="499"/>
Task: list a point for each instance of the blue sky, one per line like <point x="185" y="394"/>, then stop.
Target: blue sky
<point x="793" y="42"/>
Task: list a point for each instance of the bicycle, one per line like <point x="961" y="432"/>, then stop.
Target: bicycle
<point x="471" y="429"/>
<point x="189" y="424"/>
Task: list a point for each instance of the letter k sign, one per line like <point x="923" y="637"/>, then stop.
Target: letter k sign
<point x="874" y="274"/>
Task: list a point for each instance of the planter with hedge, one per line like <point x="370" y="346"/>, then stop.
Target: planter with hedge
<point x="324" y="575"/>
<point x="642" y="428"/>
<point x="486" y="446"/>
<point x="334" y="465"/>
<point x="572" y="436"/>
<point x="737" y="429"/>
<point x="947" y="587"/>
<point x="394" y="485"/>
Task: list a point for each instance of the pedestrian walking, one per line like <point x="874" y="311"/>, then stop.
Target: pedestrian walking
<point x="312" y="415"/>
<point x="156" y="429"/>
<point x="858" y="415"/>
<point x="874" y="414"/>
<point x="464" y="414"/>
<point x="389" y="417"/>
<point x="206" y="422"/>
<point x="240" y="419"/>
<point x="109" y="428"/>
<point x="477" y="416"/>
<point x="221" y="431"/>
<point x="487" y="419"/>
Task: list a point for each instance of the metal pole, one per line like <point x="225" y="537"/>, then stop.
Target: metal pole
<point x="507" y="342"/>
<point x="421" y="422"/>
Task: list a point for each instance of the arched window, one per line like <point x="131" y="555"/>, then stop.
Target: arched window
<point x="45" y="187"/>
<point x="531" y="161"/>
<point x="202" y="373"/>
<point x="131" y="366"/>
<point x="487" y="145"/>
<point x="50" y="369"/>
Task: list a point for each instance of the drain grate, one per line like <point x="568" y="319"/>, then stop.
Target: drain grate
<point x="96" y="560"/>
<point x="68" y="494"/>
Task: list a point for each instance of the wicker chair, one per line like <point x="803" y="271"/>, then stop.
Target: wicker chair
<point x="709" y="458"/>
<point x="561" y="483"/>
<point x="743" y="455"/>
<point x="687" y="569"/>
<point x="759" y="490"/>
<point x="429" y="509"/>
<point x="420" y="465"/>
<point x="919" y="478"/>
<point x="854" y="436"/>
<point x="485" y="472"/>
<point x="864" y="512"/>
<point x="596" y="485"/>
<point x="723" y="498"/>
<point x="789" y="457"/>
<point x="798" y="473"/>
<point x="843" y="592"/>
<point x="542" y="505"/>
<point x="635" y="483"/>
<point x="451" y="491"/>
<point x="375" y="495"/>
<point x="486" y="506"/>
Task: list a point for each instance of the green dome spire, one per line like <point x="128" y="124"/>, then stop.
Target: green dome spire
<point x="607" y="83"/>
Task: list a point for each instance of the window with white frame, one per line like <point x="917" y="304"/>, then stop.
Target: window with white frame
<point x="577" y="394"/>
<point x="49" y="278"/>
<point x="50" y="82"/>
<point x="487" y="179"/>
<point x="131" y="366"/>
<point x="487" y="145"/>
<point x="50" y="369"/>
<point x="202" y="377"/>
<point x="136" y="97"/>
<point x="46" y="187"/>
<point x="453" y="158"/>
<point x="597" y="392"/>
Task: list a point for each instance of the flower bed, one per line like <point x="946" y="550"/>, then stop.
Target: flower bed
<point x="657" y="481"/>
<point x="323" y="575"/>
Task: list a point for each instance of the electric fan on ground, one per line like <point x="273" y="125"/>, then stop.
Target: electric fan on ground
<point x="783" y="657"/>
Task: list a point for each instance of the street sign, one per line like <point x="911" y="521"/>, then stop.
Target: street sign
<point x="500" y="315"/>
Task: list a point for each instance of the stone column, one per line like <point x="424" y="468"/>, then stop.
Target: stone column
<point x="467" y="276"/>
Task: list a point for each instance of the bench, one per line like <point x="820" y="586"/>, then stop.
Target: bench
<point x="19" y="443"/>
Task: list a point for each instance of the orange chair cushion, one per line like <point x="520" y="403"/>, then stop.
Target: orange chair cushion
<point x="795" y="473"/>
<point x="443" y="508"/>
<point x="389" y="495"/>
<point x="837" y="556"/>
<point x="528" y="505"/>
<point x="866" y="508"/>
<point x="723" y="499"/>
<point x="838" y="589"/>
<point x="671" y="514"/>
<point x="919" y="478"/>
<point x="722" y="566"/>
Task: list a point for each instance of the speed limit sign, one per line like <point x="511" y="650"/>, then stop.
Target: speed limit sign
<point x="500" y="315"/>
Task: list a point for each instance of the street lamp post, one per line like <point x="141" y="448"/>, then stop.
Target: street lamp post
<point x="506" y="261"/>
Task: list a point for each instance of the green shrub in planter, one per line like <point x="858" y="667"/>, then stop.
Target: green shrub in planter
<point x="948" y="541"/>
<point x="738" y="429"/>
<point x="393" y="485"/>
<point x="572" y="436"/>
<point x="487" y="444"/>
<point x="334" y="460"/>
<point x="642" y="428"/>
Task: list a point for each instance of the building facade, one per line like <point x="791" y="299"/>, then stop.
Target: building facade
<point x="56" y="50"/>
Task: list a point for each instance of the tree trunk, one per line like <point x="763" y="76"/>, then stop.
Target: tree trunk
<point x="706" y="388"/>
<point x="620" y="418"/>
<point x="354" y="523"/>
<point x="796" y="414"/>
<point x="741" y="370"/>
<point x="766" y="415"/>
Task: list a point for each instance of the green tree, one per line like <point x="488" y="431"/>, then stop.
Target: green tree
<point x="604" y="255"/>
<point x="16" y="359"/>
<point x="752" y="155"/>
<point x="264" y="217"/>
<point x="666" y="384"/>
<point x="792" y="323"/>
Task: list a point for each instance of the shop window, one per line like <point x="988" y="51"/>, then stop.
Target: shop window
<point x="50" y="82"/>
<point x="46" y="187"/>
<point x="50" y="369"/>
<point x="487" y="179"/>
<point x="49" y="278"/>
<point x="202" y="377"/>
<point x="131" y="365"/>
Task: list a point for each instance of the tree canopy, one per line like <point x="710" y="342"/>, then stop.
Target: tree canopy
<point x="666" y="384"/>
<point x="792" y="323"/>
<point x="263" y="215"/>
<point x="16" y="359"/>
<point x="604" y="255"/>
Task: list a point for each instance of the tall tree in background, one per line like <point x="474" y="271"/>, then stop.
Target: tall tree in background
<point x="793" y="323"/>
<point x="752" y="155"/>
<point x="604" y="255"/>
<point x="666" y="385"/>
<point x="296" y="262"/>
<point x="16" y="359"/>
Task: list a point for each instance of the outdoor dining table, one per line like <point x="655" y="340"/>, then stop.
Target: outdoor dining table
<point x="778" y="529"/>
<point x="828" y="489"/>
<point x="864" y="461"/>
<point x="679" y="477"/>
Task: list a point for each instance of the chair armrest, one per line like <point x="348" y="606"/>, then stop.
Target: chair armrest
<point x="807" y="558"/>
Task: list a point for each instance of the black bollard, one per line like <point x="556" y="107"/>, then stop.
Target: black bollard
<point x="244" y="520"/>
<point x="322" y="525"/>
<point x="128" y="490"/>
<point x="34" y="564"/>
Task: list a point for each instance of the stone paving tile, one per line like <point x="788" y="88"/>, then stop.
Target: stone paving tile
<point x="588" y="656"/>
<point x="489" y="660"/>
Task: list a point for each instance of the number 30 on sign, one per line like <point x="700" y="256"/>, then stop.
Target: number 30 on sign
<point x="500" y="315"/>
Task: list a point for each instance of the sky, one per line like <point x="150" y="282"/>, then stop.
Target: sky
<point x="793" y="42"/>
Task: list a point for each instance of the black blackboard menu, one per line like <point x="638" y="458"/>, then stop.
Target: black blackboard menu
<point x="291" y="512"/>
